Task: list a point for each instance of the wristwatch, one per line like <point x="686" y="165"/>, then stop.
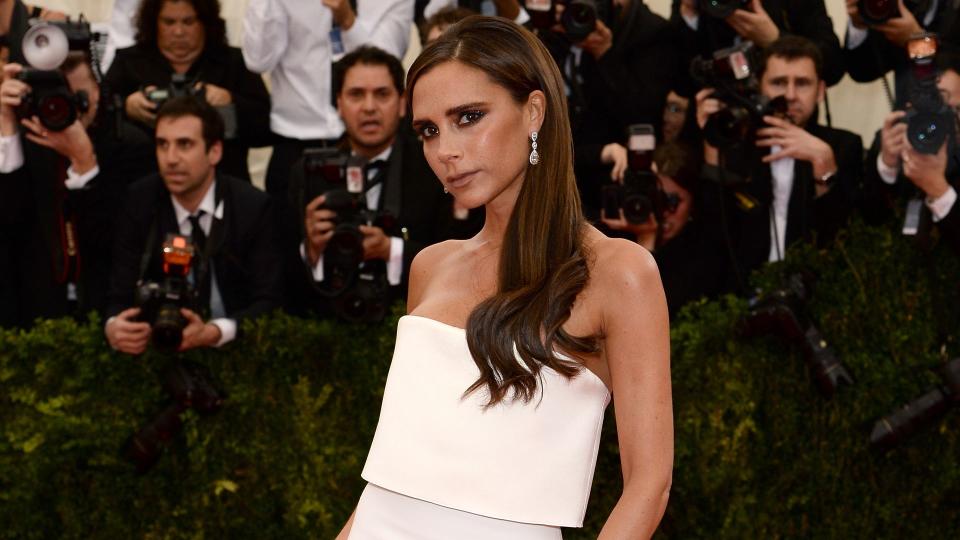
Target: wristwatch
<point x="826" y="179"/>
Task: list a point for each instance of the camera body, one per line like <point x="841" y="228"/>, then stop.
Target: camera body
<point x="160" y="301"/>
<point x="722" y="9"/>
<point x="878" y="11"/>
<point x="781" y="312"/>
<point x="731" y="73"/>
<point x="45" y="47"/>
<point x="640" y="195"/>
<point x="930" y="120"/>
<point x="50" y="99"/>
<point x="179" y="86"/>
<point x="359" y="293"/>
<point x="578" y="20"/>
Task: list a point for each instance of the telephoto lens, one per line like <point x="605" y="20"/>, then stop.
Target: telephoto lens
<point x="892" y="429"/>
<point x="878" y="11"/>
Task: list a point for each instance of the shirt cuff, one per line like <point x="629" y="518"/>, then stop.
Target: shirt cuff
<point x="855" y="36"/>
<point x="317" y="270"/>
<point x="11" y="153"/>
<point x="942" y="205"/>
<point x="395" y="264"/>
<point x="887" y="174"/>
<point x="228" y="330"/>
<point x="80" y="181"/>
<point x="523" y="17"/>
<point x="692" y="21"/>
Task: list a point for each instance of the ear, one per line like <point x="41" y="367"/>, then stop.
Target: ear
<point x="215" y="153"/>
<point x="534" y="109"/>
<point x="821" y="91"/>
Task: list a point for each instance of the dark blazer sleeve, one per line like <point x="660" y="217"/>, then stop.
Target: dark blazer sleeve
<point x="872" y="58"/>
<point x="120" y="78"/>
<point x="133" y="224"/>
<point x="808" y="18"/>
<point x="834" y="207"/>
<point x="251" y="99"/>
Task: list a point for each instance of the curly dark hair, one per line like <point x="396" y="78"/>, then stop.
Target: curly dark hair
<point x="208" y="13"/>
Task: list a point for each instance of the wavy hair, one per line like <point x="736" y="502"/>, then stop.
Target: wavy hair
<point x="208" y="13"/>
<point x="543" y="263"/>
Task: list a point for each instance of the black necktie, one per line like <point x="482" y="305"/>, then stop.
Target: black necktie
<point x="375" y="170"/>
<point x="201" y="266"/>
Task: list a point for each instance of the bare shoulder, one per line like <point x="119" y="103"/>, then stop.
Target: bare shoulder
<point x="618" y="263"/>
<point x="424" y="266"/>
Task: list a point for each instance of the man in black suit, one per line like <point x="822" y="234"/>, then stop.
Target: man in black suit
<point x="761" y="22"/>
<point x="414" y="212"/>
<point x="236" y="269"/>
<point x="872" y="50"/>
<point x="801" y="180"/>
<point x="59" y="192"/>
<point x="188" y="38"/>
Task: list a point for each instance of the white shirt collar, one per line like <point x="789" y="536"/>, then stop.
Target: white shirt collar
<point x="385" y="155"/>
<point x="208" y="205"/>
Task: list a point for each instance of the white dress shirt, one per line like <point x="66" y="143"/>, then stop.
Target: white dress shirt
<point x="939" y="207"/>
<point x="11" y="159"/>
<point x="291" y="40"/>
<point x="395" y="261"/>
<point x="782" y="172"/>
<point x="211" y="210"/>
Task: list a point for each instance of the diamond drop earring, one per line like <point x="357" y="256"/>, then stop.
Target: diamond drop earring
<point x="534" y="156"/>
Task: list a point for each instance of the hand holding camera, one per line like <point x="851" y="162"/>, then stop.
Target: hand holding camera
<point x="645" y="233"/>
<point x="216" y="95"/>
<point x="797" y="143"/>
<point x="889" y="17"/>
<point x="319" y="223"/>
<point x="127" y="334"/>
<point x="926" y="171"/>
<point x="893" y="139"/>
<point x="141" y="108"/>
<point x="616" y="155"/>
<point x="754" y="24"/>
<point x="198" y="333"/>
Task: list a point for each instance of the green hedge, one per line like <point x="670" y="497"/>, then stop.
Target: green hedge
<point x="759" y="453"/>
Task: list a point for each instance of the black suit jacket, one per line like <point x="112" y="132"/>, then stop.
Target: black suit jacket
<point x="745" y="222"/>
<point x="882" y="201"/>
<point x="244" y="246"/>
<point x="35" y="208"/>
<point x="807" y="18"/>
<point x="140" y="65"/>
<point x="420" y="211"/>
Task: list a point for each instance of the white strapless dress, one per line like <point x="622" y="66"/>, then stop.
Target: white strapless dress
<point x="442" y="466"/>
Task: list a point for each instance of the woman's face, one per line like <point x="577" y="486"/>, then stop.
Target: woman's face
<point x="475" y="136"/>
<point x="675" y="220"/>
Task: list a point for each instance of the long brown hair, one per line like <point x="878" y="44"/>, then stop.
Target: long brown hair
<point x="543" y="261"/>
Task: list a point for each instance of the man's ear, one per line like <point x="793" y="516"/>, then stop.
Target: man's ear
<point x="215" y="153"/>
<point x="535" y="108"/>
<point x="821" y="91"/>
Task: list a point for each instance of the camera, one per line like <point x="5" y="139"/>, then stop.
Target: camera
<point x="878" y="11"/>
<point x="45" y="47"/>
<point x="578" y="20"/>
<point x="160" y="301"/>
<point x="179" y="86"/>
<point x="930" y="120"/>
<point x="892" y="429"/>
<point x="781" y="313"/>
<point x="640" y="194"/>
<point x="722" y="9"/>
<point x="190" y="386"/>
<point x="359" y="293"/>
<point x="731" y="73"/>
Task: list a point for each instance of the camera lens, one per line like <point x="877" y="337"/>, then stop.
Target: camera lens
<point x="637" y="208"/>
<point x="56" y="112"/>
<point x="876" y="11"/>
<point x="927" y="132"/>
<point x="729" y="127"/>
<point x="579" y="19"/>
<point x="346" y="246"/>
<point x="168" y="329"/>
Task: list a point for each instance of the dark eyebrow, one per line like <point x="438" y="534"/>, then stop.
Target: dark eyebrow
<point x="453" y="111"/>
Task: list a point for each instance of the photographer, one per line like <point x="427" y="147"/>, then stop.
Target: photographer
<point x="700" y="32"/>
<point x="236" y="269"/>
<point x="187" y="39"/>
<point x="617" y="73"/>
<point x="508" y="9"/>
<point x="59" y="191"/>
<point x="399" y="184"/>
<point x="687" y="257"/>
<point x="296" y="42"/>
<point x="872" y="48"/>
<point x="800" y="180"/>
<point x="897" y="171"/>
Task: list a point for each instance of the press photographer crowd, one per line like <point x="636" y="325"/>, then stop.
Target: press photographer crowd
<point x="125" y="187"/>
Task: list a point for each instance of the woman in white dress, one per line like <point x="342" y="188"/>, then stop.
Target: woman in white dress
<point x="516" y="338"/>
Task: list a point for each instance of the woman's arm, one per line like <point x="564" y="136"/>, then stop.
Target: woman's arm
<point x="345" y="533"/>
<point x="637" y="350"/>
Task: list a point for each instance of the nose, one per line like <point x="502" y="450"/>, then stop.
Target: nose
<point x="369" y="102"/>
<point x="791" y="91"/>
<point x="448" y="150"/>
